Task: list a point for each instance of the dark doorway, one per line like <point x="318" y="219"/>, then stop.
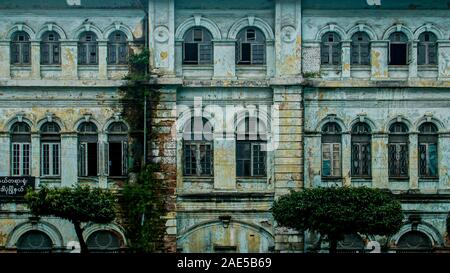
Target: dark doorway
<point x="398" y="54"/>
<point x="92" y="159"/>
<point x="115" y="158"/>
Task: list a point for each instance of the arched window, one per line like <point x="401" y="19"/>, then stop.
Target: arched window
<point x="398" y="151"/>
<point x="21" y="149"/>
<point x="50" y="149"/>
<point x="398" y="49"/>
<point x="34" y="241"/>
<point x="361" y="150"/>
<point x="360" y="50"/>
<point x="117" y="48"/>
<point x="330" y="52"/>
<point x="352" y="243"/>
<point x="87" y="149"/>
<point x="428" y="150"/>
<point x="103" y="241"/>
<point x="88" y="49"/>
<point x="250" y="47"/>
<point x="116" y="150"/>
<point x="427" y="49"/>
<point x="50" y="48"/>
<point x="331" y="150"/>
<point x="20" y="48"/>
<point x="198" y="147"/>
<point x="197" y="46"/>
<point x="414" y="241"/>
<point x="251" y="148"/>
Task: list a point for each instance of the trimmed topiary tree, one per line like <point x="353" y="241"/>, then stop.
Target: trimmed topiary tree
<point x="78" y="205"/>
<point x="334" y="212"/>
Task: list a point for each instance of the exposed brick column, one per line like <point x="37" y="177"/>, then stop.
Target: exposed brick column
<point x="288" y="167"/>
<point x="163" y="151"/>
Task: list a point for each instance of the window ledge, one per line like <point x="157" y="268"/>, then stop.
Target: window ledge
<point x="251" y="67"/>
<point x="21" y="67"/>
<point x="427" y="68"/>
<point x="259" y="179"/>
<point x="88" y="66"/>
<point x="118" y="177"/>
<point x="399" y="67"/>
<point x="398" y="179"/>
<point x="429" y="179"/>
<point x="331" y="178"/>
<point x="357" y="67"/>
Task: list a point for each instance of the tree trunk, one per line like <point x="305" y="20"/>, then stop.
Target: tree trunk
<point x="333" y="245"/>
<point x="79" y="232"/>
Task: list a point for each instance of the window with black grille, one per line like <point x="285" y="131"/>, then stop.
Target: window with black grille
<point x="428" y="150"/>
<point x="34" y="241"/>
<point x="361" y="150"/>
<point x="398" y="158"/>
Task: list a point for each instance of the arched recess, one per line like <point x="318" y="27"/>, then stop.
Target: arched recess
<point x="118" y="26"/>
<point x="86" y="118"/>
<point x="186" y="116"/>
<point x="364" y="119"/>
<point x="363" y="28"/>
<point x="260" y="114"/>
<point x="251" y="21"/>
<point x="431" y="232"/>
<point x="431" y="28"/>
<point x="49" y="229"/>
<point x="429" y="118"/>
<point x="18" y="118"/>
<point x="20" y="27"/>
<point x="51" y="118"/>
<point x="331" y="118"/>
<point x="87" y="27"/>
<point x="198" y="21"/>
<point x="331" y="28"/>
<point x="226" y="235"/>
<point x="399" y="118"/>
<point x="117" y="230"/>
<point x="51" y="27"/>
<point x="396" y="28"/>
<point x="116" y="118"/>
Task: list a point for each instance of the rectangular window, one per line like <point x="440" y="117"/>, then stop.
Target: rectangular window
<point x="198" y="35"/>
<point x="112" y="54"/>
<point x="93" y="54"/>
<point x="251" y="35"/>
<point x="190" y="53"/>
<point x="20" y="159"/>
<point x="398" y="160"/>
<point x="397" y="54"/>
<point x="205" y="53"/>
<point x="250" y="159"/>
<point x="197" y="159"/>
<point x="45" y="52"/>
<point x="88" y="159"/>
<point x="82" y="54"/>
<point x="428" y="160"/>
<point x="26" y="53"/>
<point x="50" y="159"/>
<point x="15" y="57"/>
<point x="331" y="159"/>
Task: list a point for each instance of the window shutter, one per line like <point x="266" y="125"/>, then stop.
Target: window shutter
<point x="432" y="54"/>
<point x="44" y="53"/>
<point x="93" y="54"/>
<point x="124" y="158"/>
<point x="336" y="51"/>
<point x="82" y="164"/>
<point x="82" y="54"/>
<point x="98" y="160"/>
<point x="421" y="54"/>
<point x="336" y="159"/>
<point x="14" y="53"/>
<point x="409" y="51"/>
<point x="245" y="52"/>
<point x="190" y="53"/>
<point x="205" y="54"/>
<point x="56" y="54"/>
<point x="258" y="53"/>
<point x="26" y="53"/>
<point x="106" y="157"/>
<point x="111" y="54"/>
<point x="123" y="53"/>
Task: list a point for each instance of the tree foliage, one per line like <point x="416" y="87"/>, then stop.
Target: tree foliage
<point x="337" y="211"/>
<point x="143" y="207"/>
<point x="78" y="205"/>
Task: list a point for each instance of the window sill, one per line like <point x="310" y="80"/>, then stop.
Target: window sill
<point x="429" y="179"/>
<point x="25" y="67"/>
<point x="252" y="179"/>
<point x="118" y="177"/>
<point x="357" y="67"/>
<point x="118" y="66"/>
<point x="251" y="67"/>
<point x="331" y="178"/>
<point x="193" y="66"/>
<point x="398" y="179"/>
<point x="399" y="67"/>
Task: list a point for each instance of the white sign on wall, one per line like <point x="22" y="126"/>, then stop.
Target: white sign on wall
<point x="73" y="2"/>
<point x="373" y="2"/>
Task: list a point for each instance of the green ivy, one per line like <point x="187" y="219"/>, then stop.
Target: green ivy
<point x="142" y="198"/>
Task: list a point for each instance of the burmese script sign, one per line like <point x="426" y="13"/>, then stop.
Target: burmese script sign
<point x="15" y="186"/>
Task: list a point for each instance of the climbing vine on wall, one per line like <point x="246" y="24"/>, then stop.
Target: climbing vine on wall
<point x="142" y="198"/>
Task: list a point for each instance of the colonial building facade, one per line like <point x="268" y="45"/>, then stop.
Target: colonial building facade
<point x="257" y="98"/>
<point x="61" y="64"/>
